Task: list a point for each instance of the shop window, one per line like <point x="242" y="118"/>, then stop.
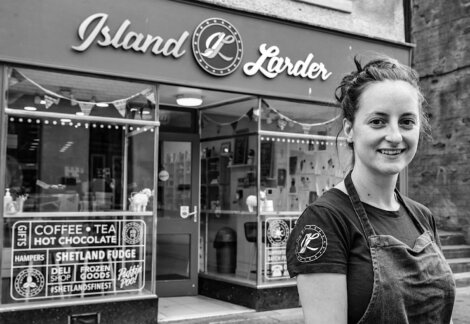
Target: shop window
<point x="78" y="213"/>
<point x="255" y="185"/>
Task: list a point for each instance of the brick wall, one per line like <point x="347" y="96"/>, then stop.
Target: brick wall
<point x="439" y="177"/>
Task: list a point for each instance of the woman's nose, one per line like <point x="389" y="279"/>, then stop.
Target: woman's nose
<point x="394" y="134"/>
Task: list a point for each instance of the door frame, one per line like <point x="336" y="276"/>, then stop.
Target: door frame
<point x="184" y="287"/>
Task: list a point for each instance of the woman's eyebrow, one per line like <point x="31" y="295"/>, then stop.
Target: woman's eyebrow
<point x="377" y="113"/>
<point x="410" y="115"/>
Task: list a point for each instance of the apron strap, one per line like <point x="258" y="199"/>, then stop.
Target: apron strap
<point x="358" y="207"/>
<point x="415" y="219"/>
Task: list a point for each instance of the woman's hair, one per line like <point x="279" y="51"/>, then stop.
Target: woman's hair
<point x="379" y="69"/>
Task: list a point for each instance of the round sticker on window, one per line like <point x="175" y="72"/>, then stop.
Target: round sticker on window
<point x="163" y="175"/>
<point x="311" y="244"/>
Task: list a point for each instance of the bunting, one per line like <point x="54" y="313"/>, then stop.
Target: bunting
<point x="51" y="101"/>
<point x="86" y="106"/>
<point x="121" y="106"/>
<point x="149" y="95"/>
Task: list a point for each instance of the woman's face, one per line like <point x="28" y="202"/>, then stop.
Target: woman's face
<point x="386" y="128"/>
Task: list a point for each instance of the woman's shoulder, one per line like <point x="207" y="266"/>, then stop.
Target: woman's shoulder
<point x="332" y="206"/>
<point x="334" y="199"/>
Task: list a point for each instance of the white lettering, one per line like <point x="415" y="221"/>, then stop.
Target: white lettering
<point x="129" y="277"/>
<point x="271" y="65"/>
<point x="126" y="40"/>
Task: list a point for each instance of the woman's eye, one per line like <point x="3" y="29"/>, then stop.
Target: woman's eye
<point x="377" y="122"/>
<point x="408" y="122"/>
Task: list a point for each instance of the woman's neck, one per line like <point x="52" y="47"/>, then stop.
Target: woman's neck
<point x="378" y="191"/>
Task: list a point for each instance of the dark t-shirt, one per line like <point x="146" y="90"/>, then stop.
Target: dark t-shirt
<point x="328" y="238"/>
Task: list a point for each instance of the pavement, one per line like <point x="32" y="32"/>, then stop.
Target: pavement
<point x="461" y="314"/>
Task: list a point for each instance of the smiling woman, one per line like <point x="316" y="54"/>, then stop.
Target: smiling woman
<point x="373" y="239"/>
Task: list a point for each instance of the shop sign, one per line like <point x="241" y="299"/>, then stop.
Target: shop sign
<point x="216" y="44"/>
<point x="76" y="258"/>
<point x="277" y="232"/>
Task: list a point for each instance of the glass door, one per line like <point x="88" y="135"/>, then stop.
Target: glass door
<point x="178" y="215"/>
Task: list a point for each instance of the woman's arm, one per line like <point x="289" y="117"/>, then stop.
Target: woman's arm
<point x="323" y="297"/>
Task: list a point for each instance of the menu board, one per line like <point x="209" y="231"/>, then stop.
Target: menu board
<point x="77" y="258"/>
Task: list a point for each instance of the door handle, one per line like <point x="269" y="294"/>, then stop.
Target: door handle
<point x="184" y="212"/>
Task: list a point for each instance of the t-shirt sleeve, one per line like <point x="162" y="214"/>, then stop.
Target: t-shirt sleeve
<point x="318" y="243"/>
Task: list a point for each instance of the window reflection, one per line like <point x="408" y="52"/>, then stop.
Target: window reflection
<point x="76" y="166"/>
<point x="92" y="163"/>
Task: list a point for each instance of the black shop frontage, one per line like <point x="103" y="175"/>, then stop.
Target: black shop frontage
<point x="160" y="148"/>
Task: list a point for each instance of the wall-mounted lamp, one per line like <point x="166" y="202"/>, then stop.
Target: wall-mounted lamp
<point x="189" y="100"/>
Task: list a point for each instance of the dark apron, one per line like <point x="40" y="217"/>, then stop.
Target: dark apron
<point x="411" y="285"/>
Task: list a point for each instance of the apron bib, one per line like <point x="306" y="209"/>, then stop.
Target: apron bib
<point x="411" y="285"/>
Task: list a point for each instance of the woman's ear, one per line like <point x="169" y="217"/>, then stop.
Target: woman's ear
<point x="348" y="130"/>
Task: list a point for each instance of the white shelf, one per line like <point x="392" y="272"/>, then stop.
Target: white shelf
<point x="240" y="165"/>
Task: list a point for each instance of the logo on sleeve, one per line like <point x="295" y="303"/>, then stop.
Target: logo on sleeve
<point x="311" y="244"/>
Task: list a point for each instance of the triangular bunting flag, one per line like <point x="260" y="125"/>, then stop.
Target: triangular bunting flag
<point x="234" y="125"/>
<point x="73" y="102"/>
<point x="121" y="106"/>
<point x="149" y="95"/>
<point x="50" y="101"/>
<point x="306" y="128"/>
<point x="86" y="107"/>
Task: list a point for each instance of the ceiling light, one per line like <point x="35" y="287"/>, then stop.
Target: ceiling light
<point x="102" y="104"/>
<point x="189" y="100"/>
<point x="30" y="108"/>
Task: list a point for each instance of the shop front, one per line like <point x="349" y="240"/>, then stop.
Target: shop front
<point x="159" y="149"/>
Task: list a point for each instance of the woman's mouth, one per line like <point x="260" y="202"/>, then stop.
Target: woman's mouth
<point x="391" y="151"/>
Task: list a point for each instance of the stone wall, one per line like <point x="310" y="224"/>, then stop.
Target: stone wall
<point x="439" y="177"/>
<point x="373" y="18"/>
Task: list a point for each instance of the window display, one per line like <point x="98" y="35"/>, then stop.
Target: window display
<point x="78" y="201"/>
<point x="248" y="218"/>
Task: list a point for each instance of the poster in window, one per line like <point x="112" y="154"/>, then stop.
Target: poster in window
<point x="241" y="150"/>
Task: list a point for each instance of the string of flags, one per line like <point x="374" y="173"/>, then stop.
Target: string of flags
<point x="86" y="106"/>
<point x="270" y="114"/>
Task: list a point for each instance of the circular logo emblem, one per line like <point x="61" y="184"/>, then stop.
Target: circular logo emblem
<point x="311" y="244"/>
<point x="132" y="233"/>
<point x="278" y="232"/>
<point x="29" y="282"/>
<point x="217" y="46"/>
